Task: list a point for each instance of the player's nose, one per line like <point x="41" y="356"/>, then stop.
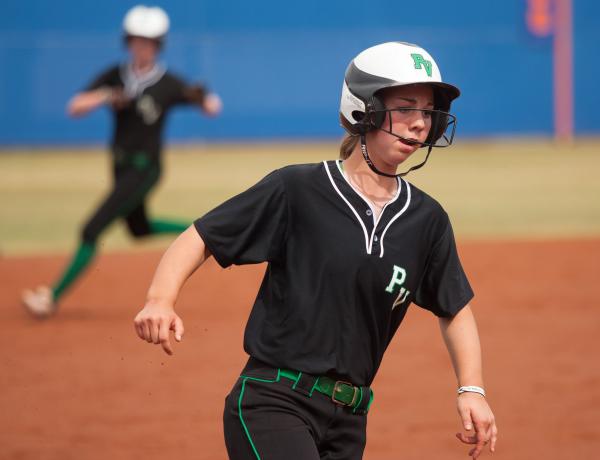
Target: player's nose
<point x="417" y="122"/>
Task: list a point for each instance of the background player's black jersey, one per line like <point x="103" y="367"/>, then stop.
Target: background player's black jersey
<point x="338" y="284"/>
<point x="139" y="125"/>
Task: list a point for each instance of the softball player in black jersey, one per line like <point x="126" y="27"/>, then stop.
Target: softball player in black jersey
<point x="141" y="93"/>
<point x="350" y="245"/>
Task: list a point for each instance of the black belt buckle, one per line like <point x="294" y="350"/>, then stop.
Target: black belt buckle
<point x="336" y="385"/>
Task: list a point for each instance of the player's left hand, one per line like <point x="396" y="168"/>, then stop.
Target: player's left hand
<point x="212" y="105"/>
<point x="478" y="420"/>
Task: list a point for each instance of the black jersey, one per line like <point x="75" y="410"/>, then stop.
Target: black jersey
<point x="338" y="283"/>
<point x="139" y="125"/>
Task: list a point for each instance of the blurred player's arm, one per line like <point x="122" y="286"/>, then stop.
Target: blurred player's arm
<point x="210" y="103"/>
<point x="86" y="101"/>
<point x="155" y="321"/>
<point x="462" y="341"/>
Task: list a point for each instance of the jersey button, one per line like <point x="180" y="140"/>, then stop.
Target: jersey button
<point x="376" y="239"/>
<point x="369" y="212"/>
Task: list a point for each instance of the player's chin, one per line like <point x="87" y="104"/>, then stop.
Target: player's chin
<point x="403" y="151"/>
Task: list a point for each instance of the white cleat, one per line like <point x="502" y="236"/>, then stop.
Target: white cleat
<point x="39" y="302"/>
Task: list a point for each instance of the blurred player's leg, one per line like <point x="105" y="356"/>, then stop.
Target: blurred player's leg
<point x="131" y="188"/>
<point x="160" y="226"/>
<point x="139" y="225"/>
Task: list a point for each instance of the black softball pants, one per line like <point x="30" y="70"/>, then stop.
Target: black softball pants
<point x="132" y="183"/>
<point x="266" y="419"/>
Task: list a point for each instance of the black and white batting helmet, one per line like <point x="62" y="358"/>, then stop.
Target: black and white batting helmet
<point x="389" y="65"/>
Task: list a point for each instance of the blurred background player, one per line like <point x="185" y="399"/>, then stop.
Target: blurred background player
<point x="140" y="93"/>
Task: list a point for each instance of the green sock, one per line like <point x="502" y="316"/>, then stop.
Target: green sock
<point x="82" y="258"/>
<point x="167" y="226"/>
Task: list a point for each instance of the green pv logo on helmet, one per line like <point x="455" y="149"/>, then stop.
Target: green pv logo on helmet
<point x="421" y="62"/>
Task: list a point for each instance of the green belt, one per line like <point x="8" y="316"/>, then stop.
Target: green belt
<point x="340" y="392"/>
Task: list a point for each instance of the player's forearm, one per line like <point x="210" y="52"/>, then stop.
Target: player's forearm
<point x="87" y="101"/>
<point x="182" y="259"/>
<point x="462" y="341"/>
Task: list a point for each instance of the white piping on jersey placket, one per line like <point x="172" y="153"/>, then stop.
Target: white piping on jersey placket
<point x="366" y="200"/>
<point x="362" y="224"/>
<point x="369" y="241"/>
<point x="396" y="216"/>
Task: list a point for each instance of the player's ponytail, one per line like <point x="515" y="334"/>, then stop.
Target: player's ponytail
<point x="348" y="145"/>
<point x="350" y="140"/>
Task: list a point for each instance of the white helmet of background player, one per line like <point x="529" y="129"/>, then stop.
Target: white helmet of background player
<point x="385" y="66"/>
<point x="147" y="22"/>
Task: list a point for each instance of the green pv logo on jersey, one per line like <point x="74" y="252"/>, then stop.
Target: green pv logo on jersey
<point x="421" y="62"/>
<point x="398" y="279"/>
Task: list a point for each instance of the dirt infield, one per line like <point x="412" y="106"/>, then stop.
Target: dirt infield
<point x="83" y="386"/>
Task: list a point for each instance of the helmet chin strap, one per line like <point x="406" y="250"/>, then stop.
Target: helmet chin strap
<point x="365" y="154"/>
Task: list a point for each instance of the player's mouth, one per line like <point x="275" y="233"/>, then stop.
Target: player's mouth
<point x="410" y="141"/>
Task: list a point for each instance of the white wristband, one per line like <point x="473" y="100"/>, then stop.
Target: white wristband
<point x="471" y="389"/>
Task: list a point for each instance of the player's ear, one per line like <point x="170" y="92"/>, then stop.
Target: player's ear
<point x="375" y="111"/>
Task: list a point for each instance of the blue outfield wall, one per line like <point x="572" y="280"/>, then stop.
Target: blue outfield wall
<point x="278" y="66"/>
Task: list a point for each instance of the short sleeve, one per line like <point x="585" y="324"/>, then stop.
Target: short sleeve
<point x="109" y="77"/>
<point x="177" y="90"/>
<point x="444" y="288"/>
<point x="250" y="227"/>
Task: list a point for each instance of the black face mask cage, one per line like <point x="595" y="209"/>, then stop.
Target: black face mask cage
<point x="441" y="133"/>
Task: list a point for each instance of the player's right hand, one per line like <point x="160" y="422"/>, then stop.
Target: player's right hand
<point x="154" y="324"/>
<point x="117" y="98"/>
